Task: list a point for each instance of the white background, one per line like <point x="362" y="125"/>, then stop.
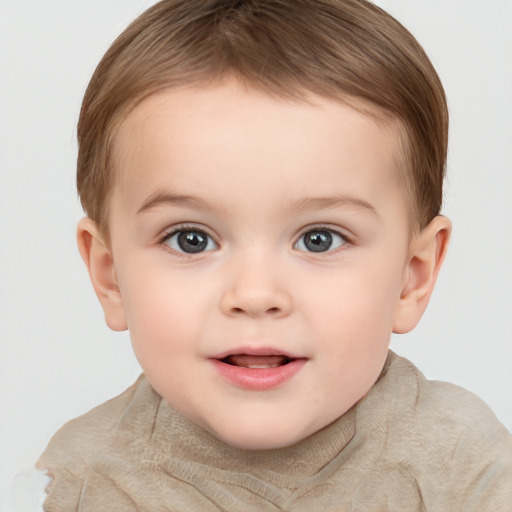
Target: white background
<point x="58" y="359"/>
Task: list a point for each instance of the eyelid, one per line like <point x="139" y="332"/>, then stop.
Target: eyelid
<point x="323" y="227"/>
<point x="326" y="227"/>
<point x="179" y="228"/>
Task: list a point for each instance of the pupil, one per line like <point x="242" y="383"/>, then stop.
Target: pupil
<point x="192" y="241"/>
<point x="318" y="241"/>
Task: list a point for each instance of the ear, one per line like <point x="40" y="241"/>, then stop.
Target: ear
<point x="98" y="260"/>
<point x="427" y="252"/>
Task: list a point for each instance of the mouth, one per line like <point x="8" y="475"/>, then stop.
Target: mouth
<point x="257" y="361"/>
<point x="258" y="370"/>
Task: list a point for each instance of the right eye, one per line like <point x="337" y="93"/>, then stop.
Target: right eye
<point x="190" y="241"/>
<point x="320" y="240"/>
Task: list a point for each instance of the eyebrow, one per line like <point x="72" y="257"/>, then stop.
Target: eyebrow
<point x="160" y="198"/>
<point x="310" y="203"/>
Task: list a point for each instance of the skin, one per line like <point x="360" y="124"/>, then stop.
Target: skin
<point x="255" y="174"/>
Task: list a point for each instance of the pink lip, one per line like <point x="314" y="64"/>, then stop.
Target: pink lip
<point x="256" y="351"/>
<point x="257" y="379"/>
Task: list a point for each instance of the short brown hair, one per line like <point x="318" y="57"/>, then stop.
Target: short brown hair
<point x="336" y="48"/>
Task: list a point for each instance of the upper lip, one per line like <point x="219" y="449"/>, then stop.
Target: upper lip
<point x="256" y="351"/>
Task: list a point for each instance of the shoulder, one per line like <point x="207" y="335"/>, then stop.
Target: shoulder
<point x="451" y="441"/>
<point x="96" y="426"/>
<point x="439" y="406"/>
<point x="87" y="443"/>
<point x="87" y="430"/>
<point x="472" y="444"/>
<point x="457" y="418"/>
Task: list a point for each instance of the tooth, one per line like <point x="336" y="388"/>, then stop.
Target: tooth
<point x="250" y="361"/>
<point x="262" y="366"/>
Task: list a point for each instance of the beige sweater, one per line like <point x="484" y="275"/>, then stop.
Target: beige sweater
<point x="409" y="445"/>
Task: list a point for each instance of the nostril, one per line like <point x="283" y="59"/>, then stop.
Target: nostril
<point x="269" y="311"/>
<point x="254" y="302"/>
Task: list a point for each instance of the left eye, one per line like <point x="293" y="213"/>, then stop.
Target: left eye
<point x="320" y="240"/>
<point x="190" y="241"/>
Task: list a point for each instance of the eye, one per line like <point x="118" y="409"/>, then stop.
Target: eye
<point x="190" y="241"/>
<point x="320" y="240"/>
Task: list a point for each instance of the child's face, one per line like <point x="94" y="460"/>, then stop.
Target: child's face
<point x="271" y="231"/>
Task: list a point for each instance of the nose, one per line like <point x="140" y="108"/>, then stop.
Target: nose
<point x="253" y="289"/>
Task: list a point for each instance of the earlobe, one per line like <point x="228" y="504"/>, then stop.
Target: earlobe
<point x="98" y="260"/>
<point x="427" y="253"/>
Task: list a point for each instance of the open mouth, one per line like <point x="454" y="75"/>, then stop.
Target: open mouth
<point x="254" y="361"/>
<point x="258" y="369"/>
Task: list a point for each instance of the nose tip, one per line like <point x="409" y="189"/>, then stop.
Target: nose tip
<point x="255" y="293"/>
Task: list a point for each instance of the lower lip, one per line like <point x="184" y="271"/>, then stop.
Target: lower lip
<point x="258" y="379"/>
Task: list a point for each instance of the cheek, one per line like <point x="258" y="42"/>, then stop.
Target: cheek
<point x="362" y="292"/>
<point x="162" y="313"/>
<point x="351" y="326"/>
<point x="355" y="304"/>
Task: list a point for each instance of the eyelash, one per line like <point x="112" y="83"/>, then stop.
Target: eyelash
<point x="163" y="241"/>
<point x="344" y="240"/>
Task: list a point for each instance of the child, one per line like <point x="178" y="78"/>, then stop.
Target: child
<point x="263" y="182"/>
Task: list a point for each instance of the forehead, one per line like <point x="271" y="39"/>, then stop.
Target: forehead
<point x="202" y="136"/>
